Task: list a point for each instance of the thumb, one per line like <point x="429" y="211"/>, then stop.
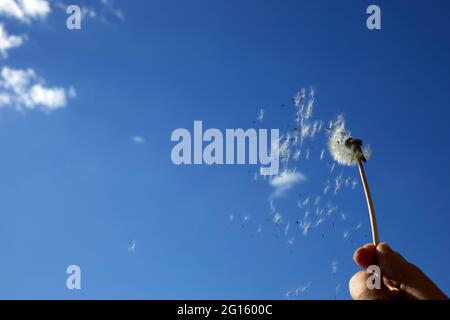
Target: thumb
<point x="359" y="289"/>
<point x="364" y="257"/>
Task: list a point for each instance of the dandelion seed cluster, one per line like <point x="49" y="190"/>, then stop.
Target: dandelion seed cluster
<point x="340" y="150"/>
<point x="314" y="213"/>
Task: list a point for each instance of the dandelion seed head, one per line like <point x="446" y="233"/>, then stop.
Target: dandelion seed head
<point x="342" y="150"/>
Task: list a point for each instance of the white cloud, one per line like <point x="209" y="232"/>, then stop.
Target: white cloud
<point x="8" y="42"/>
<point x="52" y="98"/>
<point x="138" y="139"/>
<point x="285" y="181"/>
<point x="4" y="100"/>
<point x="101" y="11"/>
<point x="23" y="89"/>
<point x="25" y="10"/>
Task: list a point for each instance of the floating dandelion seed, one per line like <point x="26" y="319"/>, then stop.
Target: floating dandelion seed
<point x="302" y="289"/>
<point x="336" y="291"/>
<point x="260" y="115"/>
<point x="291" y="241"/>
<point x="346" y="235"/>
<point x="277" y="218"/>
<point x="259" y="230"/>
<point x="288" y="294"/>
<point x="337" y="184"/>
<point x="272" y="206"/>
<point x="322" y="154"/>
<point x="304" y="227"/>
<point x="334" y="267"/>
<point x="305" y="202"/>
<point x="299" y="97"/>
<point x="331" y="209"/>
<point x="347" y="150"/>
<point x="317" y="201"/>
<point x="319" y="222"/>
<point x="358" y="226"/>
<point x="132" y="246"/>
<point x="332" y="166"/>
<point x="306" y="215"/>
<point x="319" y="212"/>
<point x="354" y="184"/>
<point x="347" y="181"/>
<point x="286" y="229"/>
<point x="327" y="187"/>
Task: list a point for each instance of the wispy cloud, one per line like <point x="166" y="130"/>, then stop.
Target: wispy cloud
<point x="25" y="10"/>
<point x="101" y="10"/>
<point x="138" y="139"/>
<point x="285" y="181"/>
<point x="8" y="42"/>
<point x="23" y="89"/>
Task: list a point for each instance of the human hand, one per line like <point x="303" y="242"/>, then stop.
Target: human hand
<point x="401" y="279"/>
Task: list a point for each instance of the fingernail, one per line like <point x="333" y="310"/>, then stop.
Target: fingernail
<point x="385" y="246"/>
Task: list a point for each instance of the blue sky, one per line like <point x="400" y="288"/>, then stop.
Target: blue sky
<point x="75" y="188"/>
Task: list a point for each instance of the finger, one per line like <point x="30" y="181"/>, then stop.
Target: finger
<point x="360" y="291"/>
<point x="365" y="256"/>
<point x="405" y="276"/>
<point x="394" y="266"/>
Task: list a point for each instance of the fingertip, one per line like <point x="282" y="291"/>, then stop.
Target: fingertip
<point x="383" y="247"/>
<point x="360" y="291"/>
<point x="364" y="256"/>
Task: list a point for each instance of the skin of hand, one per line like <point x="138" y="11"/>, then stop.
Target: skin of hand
<point x="401" y="279"/>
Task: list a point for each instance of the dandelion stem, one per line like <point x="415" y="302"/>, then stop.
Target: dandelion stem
<point x="373" y="220"/>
